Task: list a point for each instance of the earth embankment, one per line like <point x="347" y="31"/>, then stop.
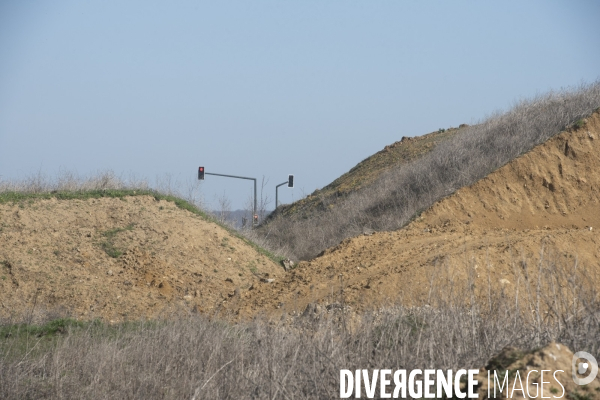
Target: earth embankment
<point x="537" y="214"/>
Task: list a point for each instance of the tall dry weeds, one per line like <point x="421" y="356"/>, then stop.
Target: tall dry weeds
<point x="67" y="181"/>
<point x="300" y="358"/>
<point x="70" y="182"/>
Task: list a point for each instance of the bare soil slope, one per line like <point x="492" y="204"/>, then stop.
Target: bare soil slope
<point x="119" y="259"/>
<point x="493" y="231"/>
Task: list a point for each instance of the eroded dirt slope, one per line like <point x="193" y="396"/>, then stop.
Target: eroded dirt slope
<point x="542" y="204"/>
<point x="64" y="257"/>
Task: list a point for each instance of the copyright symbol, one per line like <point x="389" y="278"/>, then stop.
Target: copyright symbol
<point x="579" y="368"/>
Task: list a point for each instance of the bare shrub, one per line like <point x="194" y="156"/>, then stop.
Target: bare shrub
<point x="263" y="200"/>
<point x="224" y="211"/>
<point x="391" y="201"/>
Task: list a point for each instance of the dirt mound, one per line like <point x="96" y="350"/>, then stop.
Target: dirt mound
<point x="553" y="186"/>
<point x="547" y="199"/>
<point x="119" y="259"/>
<point x="525" y="375"/>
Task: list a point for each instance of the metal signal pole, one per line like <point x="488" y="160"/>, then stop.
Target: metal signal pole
<point x="289" y="182"/>
<point x="276" y="193"/>
<point x="201" y="171"/>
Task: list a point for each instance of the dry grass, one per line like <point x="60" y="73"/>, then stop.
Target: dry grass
<point x="71" y="182"/>
<point x="299" y="358"/>
<point x="398" y="195"/>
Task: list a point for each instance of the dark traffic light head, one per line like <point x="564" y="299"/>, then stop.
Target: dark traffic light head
<point x="291" y="181"/>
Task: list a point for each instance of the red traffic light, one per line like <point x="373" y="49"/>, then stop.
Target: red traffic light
<point x="201" y="173"/>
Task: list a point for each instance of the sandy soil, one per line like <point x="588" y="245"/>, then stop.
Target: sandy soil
<point x="54" y="259"/>
<point x="544" y="204"/>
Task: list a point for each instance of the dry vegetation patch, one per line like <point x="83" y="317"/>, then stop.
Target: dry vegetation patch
<point x="297" y="357"/>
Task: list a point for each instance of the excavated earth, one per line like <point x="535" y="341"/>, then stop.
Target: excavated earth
<point x="540" y="209"/>
<point x="63" y="258"/>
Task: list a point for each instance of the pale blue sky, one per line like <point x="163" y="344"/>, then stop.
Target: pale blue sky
<point x="255" y="88"/>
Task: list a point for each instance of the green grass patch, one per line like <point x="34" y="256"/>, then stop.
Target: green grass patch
<point x="110" y="249"/>
<point x="225" y="243"/>
<point x="51" y="328"/>
<point x="19" y="340"/>
<point x="108" y="245"/>
<point x="112" y="232"/>
<point x="21" y="197"/>
<point x="579" y="123"/>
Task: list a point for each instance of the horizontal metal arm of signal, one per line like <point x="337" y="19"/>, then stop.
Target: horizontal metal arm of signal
<point x="231" y="176"/>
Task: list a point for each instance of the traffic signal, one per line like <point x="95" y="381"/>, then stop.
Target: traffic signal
<point x="201" y="173"/>
<point x="291" y="181"/>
